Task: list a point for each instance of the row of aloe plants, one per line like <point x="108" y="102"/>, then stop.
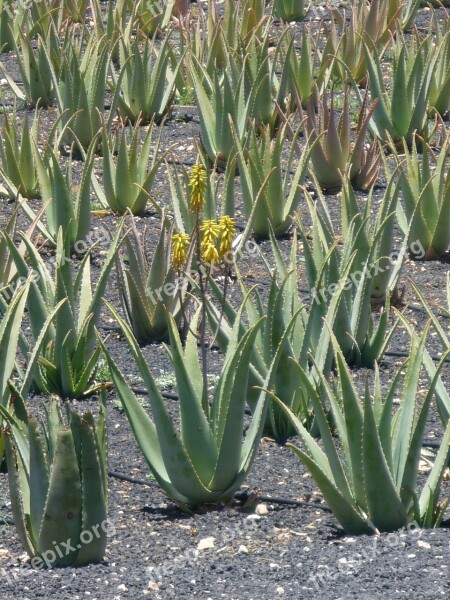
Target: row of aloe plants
<point x="248" y="89"/>
<point x="298" y="348"/>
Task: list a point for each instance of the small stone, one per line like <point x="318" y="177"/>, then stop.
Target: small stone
<point x="423" y="544"/>
<point x="280" y="590"/>
<point x="152" y="585"/>
<point x="253" y="518"/>
<point x="242" y="549"/>
<point x="261" y="510"/>
<point x="122" y="587"/>
<point x="206" y="543"/>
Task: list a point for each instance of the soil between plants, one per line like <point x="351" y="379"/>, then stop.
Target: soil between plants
<point x="293" y="552"/>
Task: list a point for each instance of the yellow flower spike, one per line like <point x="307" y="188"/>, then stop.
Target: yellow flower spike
<point x="197" y="183"/>
<point x="180" y="244"/>
<point x="209" y="252"/>
<point x="227" y="231"/>
<point x="210" y="230"/>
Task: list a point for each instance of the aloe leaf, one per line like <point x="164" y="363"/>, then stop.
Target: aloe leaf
<point x="30" y="373"/>
<point x="39" y="477"/>
<point x="343" y="507"/>
<point x="230" y="417"/>
<point x="344" y="511"/>
<point x="385" y="507"/>
<point x="9" y="335"/>
<point x="15" y="493"/>
<point x="400" y="108"/>
<point x="207" y="122"/>
<point x="407" y="412"/>
<point x="84" y="376"/>
<point x="352" y="431"/>
<point x="62" y="515"/>
<point x="196" y="435"/>
<point x="409" y="481"/>
<point x="143" y="428"/>
<point x="430" y="493"/>
<point x="94" y="514"/>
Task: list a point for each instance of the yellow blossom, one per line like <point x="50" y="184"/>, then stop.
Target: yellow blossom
<point x="226" y="233"/>
<point x="209" y="252"/>
<point x="180" y="244"/>
<point x="197" y="183"/>
<point x="210" y="231"/>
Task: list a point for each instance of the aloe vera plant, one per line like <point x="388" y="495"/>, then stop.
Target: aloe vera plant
<point x="334" y="153"/>
<point x="402" y="108"/>
<point x="266" y="71"/>
<point x="375" y="239"/>
<point x="206" y="460"/>
<point x="370" y="274"/>
<point x="372" y="22"/>
<point x="202" y="36"/>
<point x="69" y="358"/>
<point x="210" y="37"/>
<point x="243" y="19"/>
<point x="288" y="317"/>
<point x="441" y="394"/>
<point x="144" y="88"/>
<point x="58" y="481"/>
<point x="127" y="182"/>
<point x="440" y="81"/>
<point x="425" y="211"/>
<point x="38" y="18"/>
<point x="114" y="26"/>
<point x="370" y="480"/>
<point x="271" y="195"/>
<point x="291" y="10"/>
<point x="64" y="207"/>
<point x="148" y="288"/>
<point x="13" y="300"/>
<point x="241" y="92"/>
<point x="309" y="71"/>
<point x="18" y="166"/>
<point x="80" y="92"/>
<point x="6" y="26"/>
<point x="35" y="66"/>
<point x="151" y="16"/>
